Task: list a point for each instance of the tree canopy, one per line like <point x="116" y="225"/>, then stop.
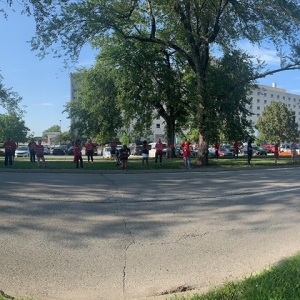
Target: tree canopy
<point x="54" y="128"/>
<point x="12" y="126"/>
<point x="194" y="29"/>
<point x="277" y="123"/>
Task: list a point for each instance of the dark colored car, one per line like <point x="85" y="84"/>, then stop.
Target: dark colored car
<point x="256" y="151"/>
<point x="71" y="151"/>
<point x="60" y="150"/>
<point x="136" y="150"/>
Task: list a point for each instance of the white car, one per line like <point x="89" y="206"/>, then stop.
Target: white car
<point x="46" y="150"/>
<point x="22" y="151"/>
<point x="106" y="152"/>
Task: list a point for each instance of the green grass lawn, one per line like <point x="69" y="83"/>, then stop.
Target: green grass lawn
<point x="135" y="163"/>
<point x="281" y="282"/>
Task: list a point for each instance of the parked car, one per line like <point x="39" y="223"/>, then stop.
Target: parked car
<point x="225" y="152"/>
<point x="46" y="150"/>
<point x="22" y="151"/>
<point x="269" y="148"/>
<point x="256" y="150"/>
<point x="136" y="150"/>
<point x="260" y="151"/>
<point x="70" y="151"/>
<point x="178" y="151"/>
<point x="152" y="150"/>
<point x="106" y="152"/>
<point x="60" y="150"/>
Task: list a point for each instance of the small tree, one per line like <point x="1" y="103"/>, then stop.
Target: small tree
<point x="277" y="123"/>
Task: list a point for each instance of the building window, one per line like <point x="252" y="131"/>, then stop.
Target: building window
<point x="289" y="98"/>
<point x="289" y="105"/>
<point x="294" y="100"/>
<point x="251" y="99"/>
<point x="283" y="97"/>
<point x="157" y="125"/>
<point x="294" y="106"/>
<point x="278" y="97"/>
<point x="250" y="107"/>
<point x="251" y="92"/>
<point x="265" y="94"/>
<point x="258" y="100"/>
<point x="258" y="107"/>
<point x="265" y="101"/>
<point x="272" y="96"/>
<point x="258" y="115"/>
<point x="258" y="93"/>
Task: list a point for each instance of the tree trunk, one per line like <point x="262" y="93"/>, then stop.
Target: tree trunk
<point x="171" y="138"/>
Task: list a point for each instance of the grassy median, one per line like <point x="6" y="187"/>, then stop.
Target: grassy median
<point x="135" y="163"/>
<point x="281" y="282"/>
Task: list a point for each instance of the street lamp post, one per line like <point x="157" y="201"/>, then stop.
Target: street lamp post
<point x="59" y="130"/>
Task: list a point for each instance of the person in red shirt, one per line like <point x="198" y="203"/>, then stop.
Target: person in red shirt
<point x="276" y="151"/>
<point x="217" y="147"/>
<point x="186" y="153"/>
<point x="113" y="149"/>
<point x="235" y="149"/>
<point x="89" y="150"/>
<point x="8" y="148"/>
<point x="77" y="154"/>
<point x="39" y="150"/>
<point x="159" y="151"/>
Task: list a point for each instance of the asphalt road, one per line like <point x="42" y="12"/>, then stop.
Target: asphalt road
<point x="129" y="235"/>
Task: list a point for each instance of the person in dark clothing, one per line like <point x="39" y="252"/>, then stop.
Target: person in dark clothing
<point x="124" y="153"/>
<point x="250" y="152"/>
<point x="31" y="146"/>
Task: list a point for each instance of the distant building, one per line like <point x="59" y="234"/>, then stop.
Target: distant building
<point x="264" y="95"/>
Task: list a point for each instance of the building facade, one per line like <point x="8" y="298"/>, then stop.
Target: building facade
<point x="264" y="95"/>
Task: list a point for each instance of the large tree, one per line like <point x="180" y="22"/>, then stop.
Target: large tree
<point x="95" y="110"/>
<point x="12" y="126"/>
<point x="194" y="29"/>
<point x="10" y="100"/>
<point x="277" y="123"/>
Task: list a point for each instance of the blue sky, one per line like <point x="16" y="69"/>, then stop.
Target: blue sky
<point x="45" y="86"/>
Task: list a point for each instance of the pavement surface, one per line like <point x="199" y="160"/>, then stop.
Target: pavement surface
<point x="138" y="235"/>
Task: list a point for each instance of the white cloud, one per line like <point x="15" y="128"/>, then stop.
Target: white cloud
<point x="45" y="104"/>
<point x="267" y="55"/>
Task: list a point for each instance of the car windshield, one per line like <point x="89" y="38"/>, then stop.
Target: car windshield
<point x="107" y="149"/>
<point x="22" y="148"/>
<point x="223" y="149"/>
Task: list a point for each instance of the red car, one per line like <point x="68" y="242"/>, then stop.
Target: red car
<point x="269" y="148"/>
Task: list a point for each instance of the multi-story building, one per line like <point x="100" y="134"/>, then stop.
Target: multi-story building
<point x="264" y="95"/>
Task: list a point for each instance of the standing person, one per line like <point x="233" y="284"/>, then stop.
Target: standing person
<point x="77" y="154"/>
<point x="217" y="147"/>
<point x="124" y="153"/>
<point x="276" y="151"/>
<point x="235" y="150"/>
<point x="113" y="149"/>
<point x="31" y="146"/>
<point x="89" y="149"/>
<point x="186" y="153"/>
<point x="170" y="147"/>
<point x="145" y="153"/>
<point x="293" y="152"/>
<point x="14" y="147"/>
<point x="8" y="148"/>
<point x="159" y="151"/>
<point x="249" y="152"/>
<point x="39" y="149"/>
